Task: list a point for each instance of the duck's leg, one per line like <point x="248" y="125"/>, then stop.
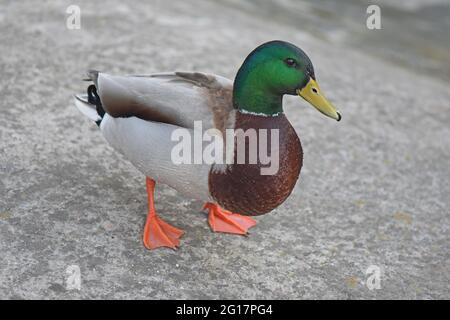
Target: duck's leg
<point x="158" y="233"/>
<point x="221" y="220"/>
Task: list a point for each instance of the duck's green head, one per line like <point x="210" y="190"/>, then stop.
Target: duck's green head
<point x="272" y="70"/>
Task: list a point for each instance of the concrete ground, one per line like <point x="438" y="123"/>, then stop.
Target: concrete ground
<point x="374" y="189"/>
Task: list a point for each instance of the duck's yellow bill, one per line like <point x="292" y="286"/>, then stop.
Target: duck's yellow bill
<point x="311" y="93"/>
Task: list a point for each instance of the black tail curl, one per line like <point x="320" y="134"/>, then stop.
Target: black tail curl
<point x="94" y="99"/>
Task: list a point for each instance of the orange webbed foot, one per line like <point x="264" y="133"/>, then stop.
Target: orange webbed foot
<point x="157" y="232"/>
<point x="221" y="220"/>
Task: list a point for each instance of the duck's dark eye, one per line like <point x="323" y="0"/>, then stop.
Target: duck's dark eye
<point x="291" y="62"/>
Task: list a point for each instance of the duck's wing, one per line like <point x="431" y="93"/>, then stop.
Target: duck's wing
<point x="177" y="98"/>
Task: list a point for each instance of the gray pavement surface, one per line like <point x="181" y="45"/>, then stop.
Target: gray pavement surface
<point x="374" y="188"/>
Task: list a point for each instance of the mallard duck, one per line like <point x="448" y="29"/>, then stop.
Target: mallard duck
<point x="139" y="114"/>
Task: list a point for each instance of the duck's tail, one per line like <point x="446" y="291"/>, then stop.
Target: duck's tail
<point x="90" y="104"/>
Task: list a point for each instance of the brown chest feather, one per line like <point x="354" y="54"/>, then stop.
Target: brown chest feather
<point x="241" y="188"/>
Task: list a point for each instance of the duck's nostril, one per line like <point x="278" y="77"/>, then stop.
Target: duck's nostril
<point x="314" y="90"/>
